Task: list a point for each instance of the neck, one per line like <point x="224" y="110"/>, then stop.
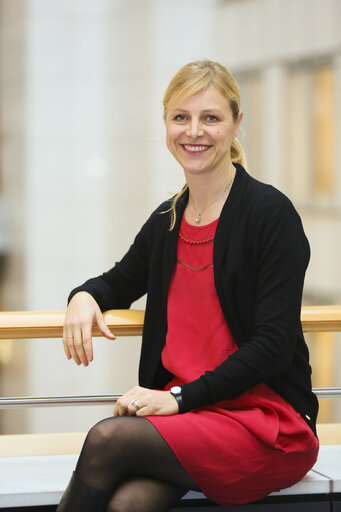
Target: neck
<point x="204" y="189"/>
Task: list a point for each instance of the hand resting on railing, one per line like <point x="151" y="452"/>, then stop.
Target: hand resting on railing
<point x="81" y="315"/>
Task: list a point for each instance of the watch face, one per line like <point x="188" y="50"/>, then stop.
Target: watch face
<point x="175" y="389"/>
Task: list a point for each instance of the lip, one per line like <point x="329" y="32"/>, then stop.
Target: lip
<point x="197" y="152"/>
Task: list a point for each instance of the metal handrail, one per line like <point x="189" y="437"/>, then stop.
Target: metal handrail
<point x="55" y="401"/>
<point x="327" y="392"/>
<point x="62" y="401"/>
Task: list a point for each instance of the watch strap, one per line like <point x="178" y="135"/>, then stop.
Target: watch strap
<point x="176" y="392"/>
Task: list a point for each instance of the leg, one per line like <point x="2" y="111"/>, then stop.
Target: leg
<point x="82" y="497"/>
<point x="142" y="494"/>
<point x="121" y="447"/>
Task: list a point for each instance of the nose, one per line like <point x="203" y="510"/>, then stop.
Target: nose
<point x="194" y="129"/>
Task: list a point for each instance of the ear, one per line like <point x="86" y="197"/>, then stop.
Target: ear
<point x="237" y="123"/>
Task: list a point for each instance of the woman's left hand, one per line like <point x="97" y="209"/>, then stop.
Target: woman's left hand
<point x="146" y="402"/>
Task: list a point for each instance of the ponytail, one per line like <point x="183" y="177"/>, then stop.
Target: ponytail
<point x="173" y="207"/>
<point x="237" y="153"/>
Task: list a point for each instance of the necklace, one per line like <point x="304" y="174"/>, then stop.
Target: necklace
<point x="197" y="219"/>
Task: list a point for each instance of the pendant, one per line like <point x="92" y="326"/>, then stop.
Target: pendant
<point x="198" y="218"/>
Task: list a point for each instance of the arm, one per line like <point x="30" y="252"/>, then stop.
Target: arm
<point x="126" y="281"/>
<point x="117" y="288"/>
<point x="281" y="254"/>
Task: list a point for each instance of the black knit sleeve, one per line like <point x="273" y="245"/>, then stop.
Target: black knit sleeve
<point x="281" y="251"/>
<point x="126" y="281"/>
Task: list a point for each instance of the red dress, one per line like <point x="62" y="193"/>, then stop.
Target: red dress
<point x="239" y="450"/>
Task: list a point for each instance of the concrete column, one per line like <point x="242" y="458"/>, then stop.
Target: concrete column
<point x="273" y="125"/>
<point x="13" y="139"/>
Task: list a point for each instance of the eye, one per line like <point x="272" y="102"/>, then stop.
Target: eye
<point x="180" y="117"/>
<point x="211" y="118"/>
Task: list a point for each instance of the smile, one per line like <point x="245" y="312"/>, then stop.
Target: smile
<point x="195" y="148"/>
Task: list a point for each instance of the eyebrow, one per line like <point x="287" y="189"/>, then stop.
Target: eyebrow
<point x="202" y="111"/>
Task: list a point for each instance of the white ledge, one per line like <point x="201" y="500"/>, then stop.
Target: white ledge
<point x="41" y="480"/>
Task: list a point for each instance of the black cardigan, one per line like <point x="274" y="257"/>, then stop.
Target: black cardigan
<point x="260" y="257"/>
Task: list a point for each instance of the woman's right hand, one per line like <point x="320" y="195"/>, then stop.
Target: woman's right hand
<point x="82" y="313"/>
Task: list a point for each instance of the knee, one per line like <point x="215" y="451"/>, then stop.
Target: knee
<point x="101" y="435"/>
<point x="123" y="503"/>
<point x="107" y="434"/>
<point x="134" y="494"/>
<point x="97" y="437"/>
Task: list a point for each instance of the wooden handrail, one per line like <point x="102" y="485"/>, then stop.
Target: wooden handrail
<point x="321" y="318"/>
<point x="49" y="324"/>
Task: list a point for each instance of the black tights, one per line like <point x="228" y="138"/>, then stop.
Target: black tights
<point x="128" y="456"/>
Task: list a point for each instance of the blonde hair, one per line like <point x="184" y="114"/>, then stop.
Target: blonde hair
<point x="196" y="77"/>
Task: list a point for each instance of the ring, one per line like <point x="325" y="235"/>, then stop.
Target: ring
<point x="135" y="404"/>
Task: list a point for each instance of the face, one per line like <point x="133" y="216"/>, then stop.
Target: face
<point x="200" y="130"/>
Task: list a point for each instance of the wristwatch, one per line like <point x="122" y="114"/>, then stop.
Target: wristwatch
<point x="176" y="392"/>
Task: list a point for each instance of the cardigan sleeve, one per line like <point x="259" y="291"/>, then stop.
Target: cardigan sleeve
<point x="126" y="281"/>
<point x="281" y="251"/>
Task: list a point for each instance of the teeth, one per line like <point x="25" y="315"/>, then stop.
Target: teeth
<point x="195" y="148"/>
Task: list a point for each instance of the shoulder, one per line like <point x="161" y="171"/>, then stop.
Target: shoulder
<point x="162" y="209"/>
<point x="263" y="202"/>
<point x="265" y="196"/>
<point x="265" y="210"/>
<point x="158" y="222"/>
<point x="270" y="224"/>
<point x="160" y="217"/>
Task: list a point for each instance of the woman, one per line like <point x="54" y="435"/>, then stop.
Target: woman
<point x="225" y="402"/>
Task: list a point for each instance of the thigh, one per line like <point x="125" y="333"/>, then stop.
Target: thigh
<point x="119" y="447"/>
<point x="153" y="457"/>
<point x="142" y="494"/>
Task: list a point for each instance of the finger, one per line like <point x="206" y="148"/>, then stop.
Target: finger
<point x="143" y="411"/>
<point x="133" y="407"/>
<point x="127" y="407"/>
<point x="103" y="326"/>
<point x="69" y="343"/>
<point x="72" y="350"/>
<point x="78" y="347"/>
<point x="122" y="404"/>
<point x="120" y="409"/>
<point x="131" y="410"/>
<point x="87" y="342"/>
<point x="116" y="408"/>
<point x="66" y="349"/>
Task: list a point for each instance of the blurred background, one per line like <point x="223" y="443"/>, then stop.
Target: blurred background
<point x="83" y="160"/>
